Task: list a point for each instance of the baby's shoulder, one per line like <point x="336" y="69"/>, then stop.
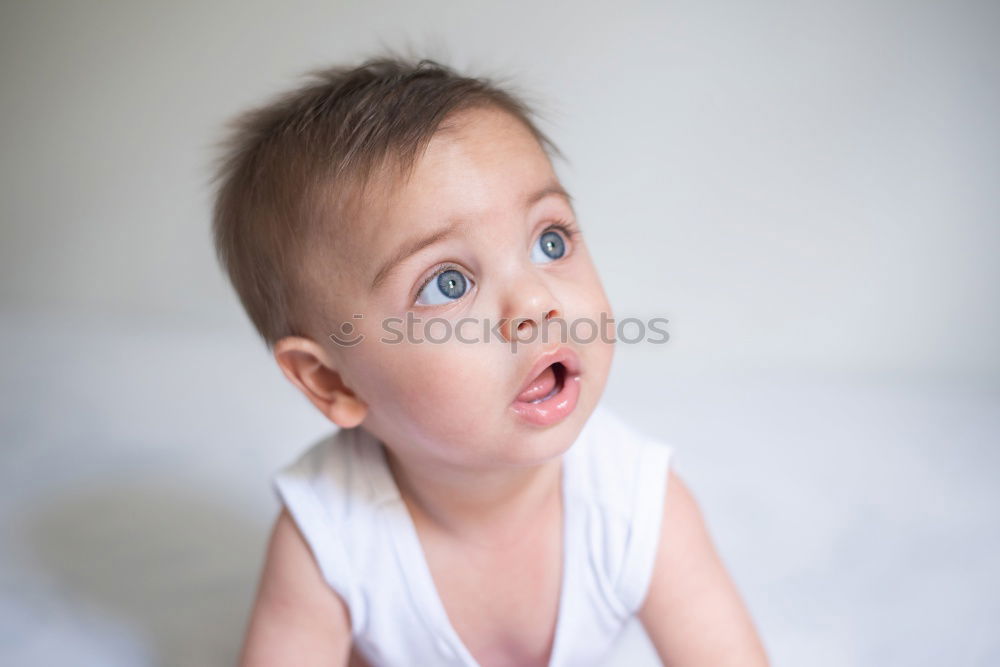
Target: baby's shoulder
<point x="333" y="477"/>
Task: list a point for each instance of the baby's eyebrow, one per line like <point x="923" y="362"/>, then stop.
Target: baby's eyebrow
<point x="416" y="245"/>
<point x="553" y="188"/>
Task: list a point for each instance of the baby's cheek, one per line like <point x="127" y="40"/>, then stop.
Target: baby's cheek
<point x="446" y="370"/>
<point x="596" y="297"/>
<point x="440" y="378"/>
<point x="592" y="328"/>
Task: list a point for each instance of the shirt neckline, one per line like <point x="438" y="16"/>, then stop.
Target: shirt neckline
<point x="412" y="560"/>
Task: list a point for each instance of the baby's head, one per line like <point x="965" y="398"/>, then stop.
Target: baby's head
<point x="400" y="240"/>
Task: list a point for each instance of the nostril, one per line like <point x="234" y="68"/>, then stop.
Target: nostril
<point x="519" y="325"/>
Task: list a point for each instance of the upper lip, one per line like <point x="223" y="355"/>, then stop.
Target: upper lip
<point x="564" y="355"/>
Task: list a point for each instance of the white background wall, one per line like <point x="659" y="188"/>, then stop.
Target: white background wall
<point x="806" y="190"/>
<point x="795" y="185"/>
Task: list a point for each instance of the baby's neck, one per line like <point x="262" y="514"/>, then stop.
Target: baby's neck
<point x="488" y="509"/>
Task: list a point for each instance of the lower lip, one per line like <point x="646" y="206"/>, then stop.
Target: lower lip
<point x="553" y="409"/>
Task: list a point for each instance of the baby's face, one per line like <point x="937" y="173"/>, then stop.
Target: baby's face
<point x="479" y="235"/>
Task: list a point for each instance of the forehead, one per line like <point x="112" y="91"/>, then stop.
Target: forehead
<point x="478" y="165"/>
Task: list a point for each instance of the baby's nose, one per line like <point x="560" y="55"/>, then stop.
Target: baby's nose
<point x="527" y="304"/>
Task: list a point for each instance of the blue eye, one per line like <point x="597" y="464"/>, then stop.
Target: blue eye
<point x="550" y="246"/>
<point x="442" y="288"/>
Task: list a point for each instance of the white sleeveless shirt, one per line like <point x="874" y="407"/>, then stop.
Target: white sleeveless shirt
<point x="345" y="502"/>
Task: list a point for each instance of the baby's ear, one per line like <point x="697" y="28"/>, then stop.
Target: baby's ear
<point x="308" y="366"/>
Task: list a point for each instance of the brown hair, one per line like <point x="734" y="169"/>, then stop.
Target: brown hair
<point x="299" y="161"/>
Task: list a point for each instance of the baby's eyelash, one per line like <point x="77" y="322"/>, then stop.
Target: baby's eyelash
<point x="567" y="228"/>
<point x="437" y="272"/>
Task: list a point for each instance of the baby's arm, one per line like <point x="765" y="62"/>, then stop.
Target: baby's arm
<point x="693" y="613"/>
<point x="297" y="618"/>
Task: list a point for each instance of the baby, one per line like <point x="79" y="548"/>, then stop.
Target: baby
<point x="399" y="238"/>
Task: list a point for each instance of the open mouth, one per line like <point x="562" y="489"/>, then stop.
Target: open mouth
<point x="548" y="383"/>
<point x="552" y="393"/>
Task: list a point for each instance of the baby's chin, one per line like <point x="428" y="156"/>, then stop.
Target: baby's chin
<point x="505" y="441"/>
<point x="529" y="445"/>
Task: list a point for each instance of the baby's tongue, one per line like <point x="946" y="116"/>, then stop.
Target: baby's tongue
<point x="540" y="386"/>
